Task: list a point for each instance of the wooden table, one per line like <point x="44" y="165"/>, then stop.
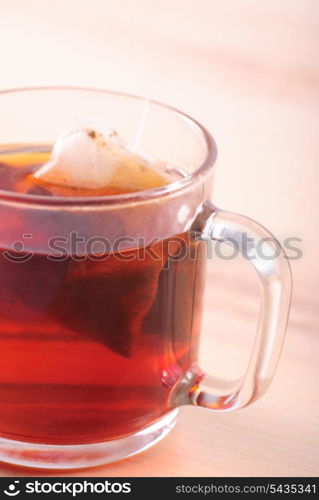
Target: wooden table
<point x="250" y="72"/>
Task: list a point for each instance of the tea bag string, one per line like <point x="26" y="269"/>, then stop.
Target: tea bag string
<point x="142" y="123"/>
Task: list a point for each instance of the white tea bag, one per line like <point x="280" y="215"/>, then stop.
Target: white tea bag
<point x="86" y="159"/>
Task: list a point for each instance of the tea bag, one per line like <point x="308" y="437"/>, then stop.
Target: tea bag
<point x="88" y="161"/>
<point x="104" y="301"/>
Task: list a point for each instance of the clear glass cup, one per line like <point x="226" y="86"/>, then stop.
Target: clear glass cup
<point x="101" y="297"/>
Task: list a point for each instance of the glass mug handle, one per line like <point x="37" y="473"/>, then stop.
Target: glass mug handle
<point x="275" y="279"/>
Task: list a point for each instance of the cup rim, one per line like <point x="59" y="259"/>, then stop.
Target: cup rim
<point x="197" y="175"/>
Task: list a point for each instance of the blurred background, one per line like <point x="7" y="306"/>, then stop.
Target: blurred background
<point x="249" y="71"/>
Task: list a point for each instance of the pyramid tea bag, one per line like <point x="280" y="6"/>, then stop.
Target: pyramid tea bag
<point x="87" y="161"/>
<point x="105" y="301"/>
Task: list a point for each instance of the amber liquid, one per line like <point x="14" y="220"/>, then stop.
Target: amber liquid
<point x="92" y="350"/>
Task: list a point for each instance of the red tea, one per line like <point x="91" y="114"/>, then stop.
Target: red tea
<point x="91" y="348"/>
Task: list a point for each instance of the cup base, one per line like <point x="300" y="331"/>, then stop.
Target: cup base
<point x="46" y="456"/>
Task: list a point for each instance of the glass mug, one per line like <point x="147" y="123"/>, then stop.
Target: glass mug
<point x="101" y="297"/>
